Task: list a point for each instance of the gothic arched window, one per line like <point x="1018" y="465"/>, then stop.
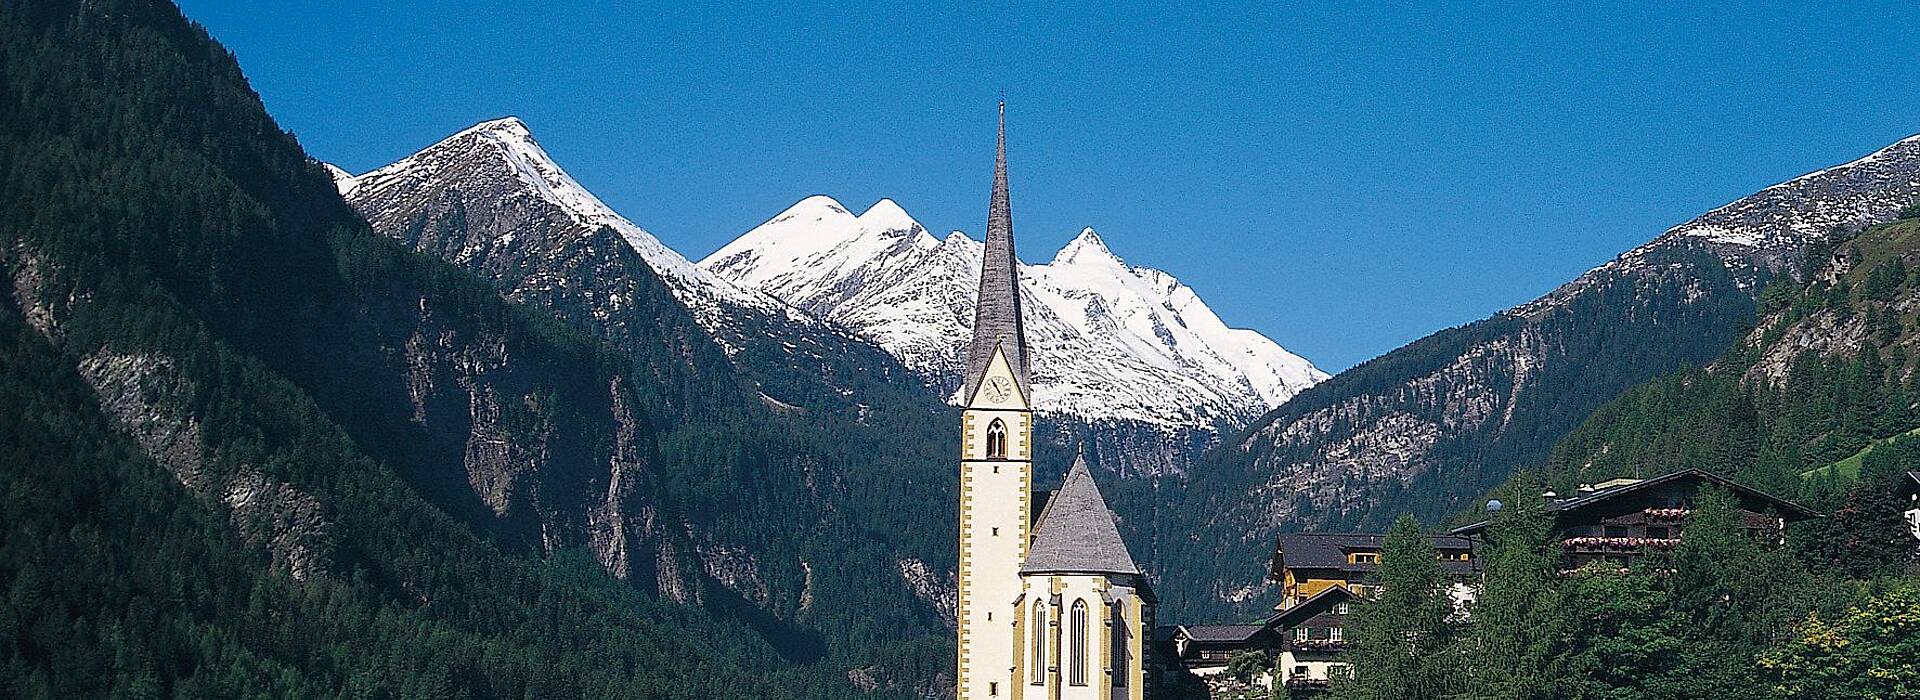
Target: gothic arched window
<point x="1077" y="661"/>
<point x="1120" y="630"/>
<point x="1039" y="675"/>
<point x="996" y="440"/>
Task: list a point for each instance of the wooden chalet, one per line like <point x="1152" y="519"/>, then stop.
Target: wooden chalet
<point x="1621" y="520"/>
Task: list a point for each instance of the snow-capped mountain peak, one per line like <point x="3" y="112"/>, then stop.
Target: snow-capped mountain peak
<point x="1087" y="249"/>
<point x="1109" y="340"/>
<point x="500" y="160"/>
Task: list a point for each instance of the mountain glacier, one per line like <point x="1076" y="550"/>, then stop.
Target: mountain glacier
<point x="1109" y="339"/>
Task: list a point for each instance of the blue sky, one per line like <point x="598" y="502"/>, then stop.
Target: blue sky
<point x="1343" y="178"/>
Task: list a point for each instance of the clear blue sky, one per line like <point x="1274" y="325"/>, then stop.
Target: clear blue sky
<point x="1343" y="179"/>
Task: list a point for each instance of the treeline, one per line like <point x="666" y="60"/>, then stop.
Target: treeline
<point x="1722" y="616"/>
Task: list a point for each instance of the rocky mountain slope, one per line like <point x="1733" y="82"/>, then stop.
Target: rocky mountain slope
<point x="492" y="201"/>
<point x="253" y="447"/>
<point x="1431" y="426"/>
<point x="1110" y="341"/>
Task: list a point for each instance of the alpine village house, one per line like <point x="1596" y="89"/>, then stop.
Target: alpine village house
<point x="1322" y="576"/>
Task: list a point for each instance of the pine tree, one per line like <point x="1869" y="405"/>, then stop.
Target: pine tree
<point x="1510" y="643"/>
<point x="1730" y="596"/>
<point x="1402" y="639"/>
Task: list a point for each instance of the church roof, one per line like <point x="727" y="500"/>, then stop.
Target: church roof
<point x="1076" y="533"/>
<point x="996" y="311"/>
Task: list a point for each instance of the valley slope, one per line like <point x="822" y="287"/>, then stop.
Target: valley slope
<point x="1430" y="427"/>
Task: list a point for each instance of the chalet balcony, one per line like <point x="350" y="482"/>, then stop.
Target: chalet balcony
<point x="1595" y="544"/>
<point x="1318" y="644"/>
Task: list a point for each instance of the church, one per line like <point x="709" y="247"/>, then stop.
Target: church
<point x="1051" y="606"/>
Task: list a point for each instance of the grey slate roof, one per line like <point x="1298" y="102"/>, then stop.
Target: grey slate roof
<point x="1221" y="633"/>
<point x="1316" y="550"/>
<point x="996" y="312"/>
<point x="1076" y="533"/>
<point x="1307" y="609"/>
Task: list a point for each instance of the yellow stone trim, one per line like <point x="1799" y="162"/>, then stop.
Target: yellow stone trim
<point x="1106" y="649"/>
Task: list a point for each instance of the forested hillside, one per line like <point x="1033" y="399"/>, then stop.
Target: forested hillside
<point x="1828" y="368"/>
<point x="1817" y="402"/>
<point x="239" y="433"/>
<point x="1429" y="427"/>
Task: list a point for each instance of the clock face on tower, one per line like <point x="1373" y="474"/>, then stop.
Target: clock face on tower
<point x="998" y="388"/>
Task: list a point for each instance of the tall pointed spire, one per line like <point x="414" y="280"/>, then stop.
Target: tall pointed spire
<point x="996" y="313"/>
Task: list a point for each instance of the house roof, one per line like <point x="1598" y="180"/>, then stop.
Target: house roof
<point x="1748" y="495"/>
<point x="1317" y="550"/>
<point x="1220" y="633"/>
<point x="1076" y="533"/>
<point x="1306" y="609"/>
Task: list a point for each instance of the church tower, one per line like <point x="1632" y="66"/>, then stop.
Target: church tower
<point x="996" y="460"/>
<point x="1050" y="608"/>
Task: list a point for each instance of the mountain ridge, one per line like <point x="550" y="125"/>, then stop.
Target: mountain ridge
<point x="1106" y="334"/>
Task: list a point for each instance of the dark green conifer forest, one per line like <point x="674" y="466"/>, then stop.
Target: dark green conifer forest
<point x="210" y="488"/>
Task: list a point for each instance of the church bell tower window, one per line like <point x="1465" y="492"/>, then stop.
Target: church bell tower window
<point x="997" y="439"/>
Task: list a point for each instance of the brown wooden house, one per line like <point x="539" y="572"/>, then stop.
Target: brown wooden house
<point x="1620" y="520"/>
<point x="1306" y="564"/>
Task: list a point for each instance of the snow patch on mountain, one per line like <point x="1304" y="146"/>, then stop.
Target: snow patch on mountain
<point x="1770" y="228"/>
<point x="342" y="180"/>
<point x="509" y="140"/>
<point x="1109" y="340"/>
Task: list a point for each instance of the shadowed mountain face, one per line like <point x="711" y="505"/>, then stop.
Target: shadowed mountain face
<point x="253" y="444"/>
<point x="1429" y="427"/>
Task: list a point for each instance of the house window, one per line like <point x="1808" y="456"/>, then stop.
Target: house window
<point x="1077" y="664"/>
<point x="1340" y="609"/>
<point x="996" y="440"/>
<point x="1616" y="531"/>
<point x="996" y="532"/>
<point x="1299" y="634"/>
<point x="1039" y="674"/>
<point x="1333" y="634"/>
<point x="1366" y="557"/>
<point x="993" y="689"/>
<point x="1120" y="662"/>
<point x="1658" y="532"/>
<point x="1299" y="672"/>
